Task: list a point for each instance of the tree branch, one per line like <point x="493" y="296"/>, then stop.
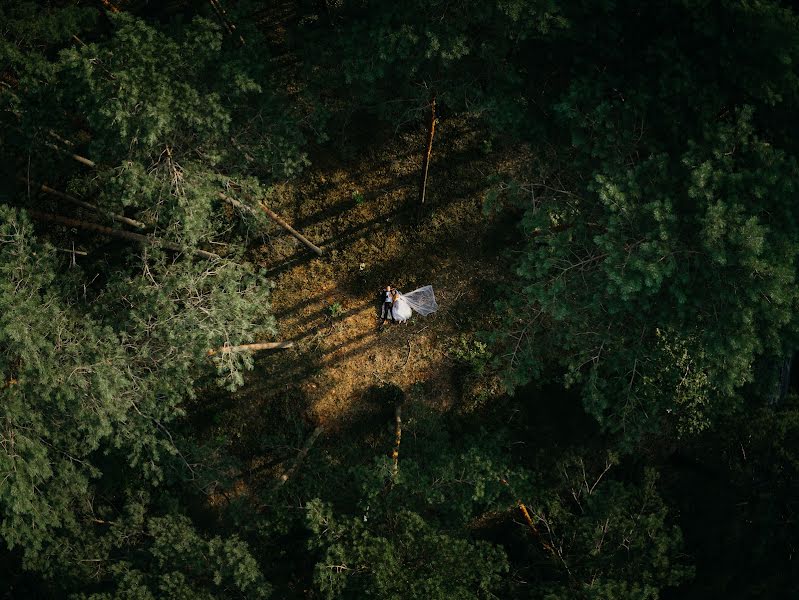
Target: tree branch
<point x="118" y="233"/>
<point x="300" y="457"/>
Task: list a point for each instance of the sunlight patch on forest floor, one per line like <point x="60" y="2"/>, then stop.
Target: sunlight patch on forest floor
<point x="363" y="215"/>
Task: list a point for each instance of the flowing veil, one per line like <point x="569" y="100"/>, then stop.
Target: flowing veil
<point x="422" y="300"/>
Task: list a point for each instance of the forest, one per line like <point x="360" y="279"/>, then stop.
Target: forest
<point x="203" y="201"/>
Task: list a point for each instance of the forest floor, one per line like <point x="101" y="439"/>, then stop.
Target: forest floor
<point x="364" y="212"/>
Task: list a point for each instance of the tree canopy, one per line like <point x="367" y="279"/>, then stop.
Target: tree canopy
<point x="602" y="408"/>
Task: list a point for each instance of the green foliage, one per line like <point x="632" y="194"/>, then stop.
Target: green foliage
<point x="479" y="381"/>
<point x="174" y="561"/>
<point x="472" y="353"/>
<point x="335" y="310"/>
<point x="102" y="370"/>
<point x="171" y="115"/>
<point x="654" y="271"/>
<point x="662" y="266"/>
<point x="401" y="557"/>
<point x="732" y="484"/>
<point x="143" y="90"/>
<point x="121" y="547"/>
<point x="687" y="380"/>
<point x="105" y="355"/>
<point x="410" y="536"/>
<point x="422" y="533"/>
<point x="394" y="57"/>
<point x="604" y="538"/>
<point x="180" y="310"/>
<point x="27" y="25"/>
<point x="70" y="391"/>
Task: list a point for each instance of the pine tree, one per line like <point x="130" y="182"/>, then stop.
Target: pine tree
<point x="99" y="356"/>
<point x="395" y="58"/>
<point x="659" y="247"/>
<point x="601" y="537"/>
<point x="89" y="372"/>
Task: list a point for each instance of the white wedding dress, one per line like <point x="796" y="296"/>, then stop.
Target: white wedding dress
<point x="422" y="301"/>
<point x="401" y="310"/>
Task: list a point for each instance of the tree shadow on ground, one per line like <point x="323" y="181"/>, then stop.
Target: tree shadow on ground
<point x="372" y="424"/>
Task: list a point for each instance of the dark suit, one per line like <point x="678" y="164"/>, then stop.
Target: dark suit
<point x="388" y="302"/>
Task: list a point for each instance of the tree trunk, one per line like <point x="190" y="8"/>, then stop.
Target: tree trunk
<point x="397" y="439"/>
<point x="236" y="204"/>
<point x="313" y="248"/>
<point x="73" y="251"/>
<point x="109" y="6"/>
<point x="118" y="233"/>
<point x="527" y="518"/>
<point x="300" y="457"/>
<point x="316" y="249"/>
<point x="81" y="159"/>
<point x="431" y="130"/>
<point x="231" y="28"/>
<point x="77" y="202"/>
<point x="251" y="347"/>
<point x="530" y="523"/>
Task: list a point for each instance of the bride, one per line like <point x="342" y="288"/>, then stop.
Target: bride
<point x="422" y="301"/>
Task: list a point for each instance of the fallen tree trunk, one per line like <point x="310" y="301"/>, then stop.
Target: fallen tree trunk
<point x="269" y="213"/>
<point x="236" y="204"/>
<point x="530" y="523"/>
<point x="117" y="233"/>
<point x="313" y="248"/>
<point x="534" y="530"/>
<point x="83" y="204"/>
<point x="73" y="251"/>
<point x="251" y="347"/>
<point x="81" y="159"/>
<point x="527" y="518"/>
<point x="300" y="457"/>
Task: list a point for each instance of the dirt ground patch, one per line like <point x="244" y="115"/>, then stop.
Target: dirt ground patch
<point x="365" y="215"/>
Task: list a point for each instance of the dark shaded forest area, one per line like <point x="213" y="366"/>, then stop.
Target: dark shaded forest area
<point x="602" y="195"/>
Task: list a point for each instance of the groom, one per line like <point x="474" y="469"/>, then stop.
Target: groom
<point x="388" y="303"/>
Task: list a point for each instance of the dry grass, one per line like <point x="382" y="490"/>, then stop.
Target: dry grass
<point x="364" y="215"/>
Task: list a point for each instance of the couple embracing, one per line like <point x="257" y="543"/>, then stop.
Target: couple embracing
<point x="399" y="307"/>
